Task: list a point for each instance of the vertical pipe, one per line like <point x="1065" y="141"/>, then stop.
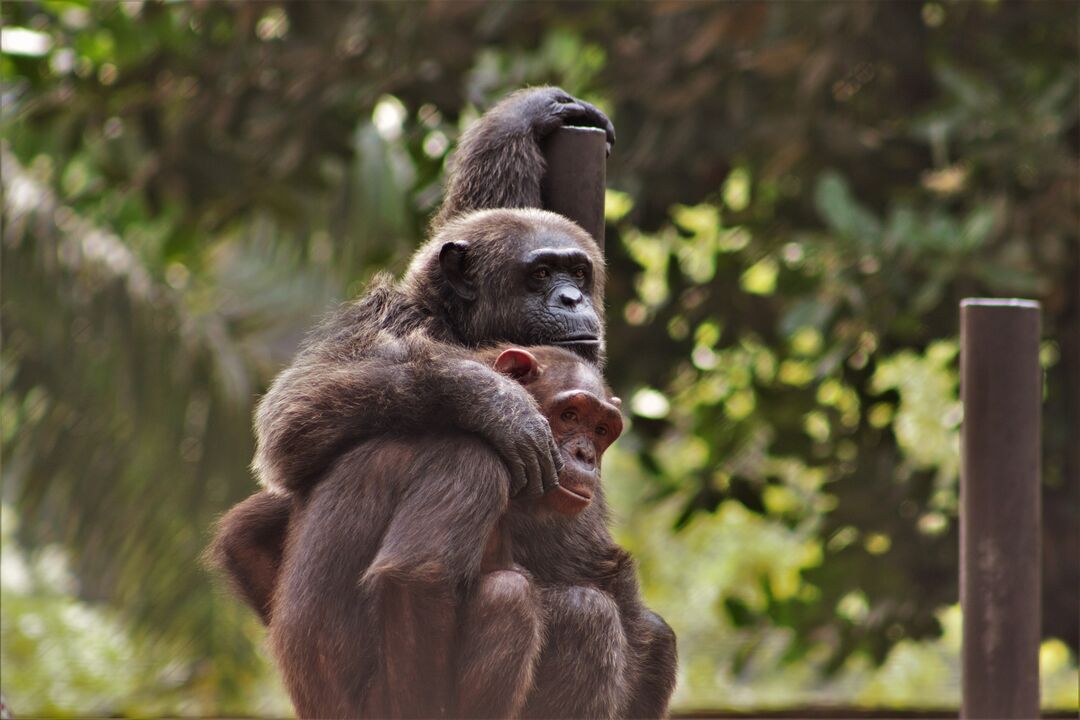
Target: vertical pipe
<point x="1001" y="384"/>
<point x="576" y="174"/>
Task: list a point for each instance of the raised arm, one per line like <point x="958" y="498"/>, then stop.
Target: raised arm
<point x="499" y="163"/>
<point x="317" y="409"/>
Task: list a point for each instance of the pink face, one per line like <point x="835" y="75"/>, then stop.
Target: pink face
<point x="571" y="396"/>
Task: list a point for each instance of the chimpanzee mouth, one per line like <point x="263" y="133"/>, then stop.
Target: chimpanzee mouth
<point x="568" y="500"/>
<point x="578" y="340"/>
<point x="582" y="492"/>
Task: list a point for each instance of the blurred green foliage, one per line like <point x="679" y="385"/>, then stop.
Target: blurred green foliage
<point x="801" y="194"/>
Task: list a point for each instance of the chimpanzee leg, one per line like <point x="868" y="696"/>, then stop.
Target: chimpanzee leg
<point x="431" y="554"/>
<point x="582" y="667"/>
<point x="415" y="627"/>
<point x="500" y="645"/>
<point x="248" y="547"/>
<point x="366" y="614"/>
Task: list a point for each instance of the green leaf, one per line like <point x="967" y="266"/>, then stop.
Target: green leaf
<point x="843" y="214"/>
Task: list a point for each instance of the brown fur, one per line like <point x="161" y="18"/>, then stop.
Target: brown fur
<point x="382" y="362"/>
<point x="248" y="548"/>
<point x="419" y="590"/>
<point x="499" y="164"/>
<point x="407" y="589"/>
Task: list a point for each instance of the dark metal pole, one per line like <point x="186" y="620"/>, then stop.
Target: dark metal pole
<point x="576" y="174"/>
<point x="1001" y="385"/>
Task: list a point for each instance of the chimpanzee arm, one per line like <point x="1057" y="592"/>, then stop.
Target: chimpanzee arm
<point x="317" y="409"/>
<point x="652" y="661"/>
<point x="499" y="163"/>
<point x="248" y="548"/>
<point x="501" y="635"/>
<point x="429" y="555"/>
<point x="655" y="660"/>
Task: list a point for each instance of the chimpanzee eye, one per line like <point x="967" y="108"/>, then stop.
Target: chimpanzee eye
<point x="568" y="416"/>
<point x="540" y="273"/>
<point x="601" y="430"/>
<point x="579" y="274"/>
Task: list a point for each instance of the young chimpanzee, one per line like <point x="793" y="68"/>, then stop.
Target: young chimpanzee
<point x="550" y="563"/>
<point x="418" y="590"/>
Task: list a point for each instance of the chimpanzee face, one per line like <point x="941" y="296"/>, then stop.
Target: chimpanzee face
<point x="558" y="287"/>
<point x="584" y="425"/>
<point x="583" y="414"/>
<point x="532" y="281"/>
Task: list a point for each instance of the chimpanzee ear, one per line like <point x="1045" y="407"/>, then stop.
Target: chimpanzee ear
<point x="521" y="365"/>
<point x="452" y="262"/>
<point x="616" y="401"/>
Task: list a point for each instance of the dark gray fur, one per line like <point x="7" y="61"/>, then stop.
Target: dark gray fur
<point x="378" y="364"/>
<point x="393" y="453"/>
<point x="412" y="587"/>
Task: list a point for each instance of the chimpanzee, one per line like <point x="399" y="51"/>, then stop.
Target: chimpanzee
<point x="493" y="272"/>
<point x="387" y="366"/>
<point x="550" y="563"/>
<point x="419" y="592"/>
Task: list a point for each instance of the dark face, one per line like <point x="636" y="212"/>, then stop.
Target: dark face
<point x="558" y="293"/>
<point x="530" y="286"/>
<point x="583" y="415"/>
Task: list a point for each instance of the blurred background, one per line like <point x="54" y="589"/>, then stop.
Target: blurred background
<point x="800" y="195"/>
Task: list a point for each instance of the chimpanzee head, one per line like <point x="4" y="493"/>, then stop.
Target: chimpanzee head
<point x="527" y="277"/>
<point x="583" y="413"/>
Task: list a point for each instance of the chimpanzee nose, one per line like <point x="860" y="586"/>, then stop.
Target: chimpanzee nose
<point x="585" y="455"/>
<point x="570" y="296"/>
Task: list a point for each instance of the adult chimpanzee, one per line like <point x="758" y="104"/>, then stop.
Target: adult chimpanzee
<point x="464" y="607"/>
<point x="516" y="275"/>
<point x="383" y="366"/>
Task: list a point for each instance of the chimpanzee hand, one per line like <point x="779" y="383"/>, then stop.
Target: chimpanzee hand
<point x="531" y="455"/>
<point x="500" y="162"/>
<point x="546" y="109"/>
<point x="505" y="415"/>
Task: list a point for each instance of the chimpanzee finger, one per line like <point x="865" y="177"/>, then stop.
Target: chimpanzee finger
<point x="515" y="465"/>
<point x="519" y="478"/>
<point x="553" y="465"/>
<point x="582" y="114"/>
<point x="601" y="121"/>
<point x="534" y="488"/>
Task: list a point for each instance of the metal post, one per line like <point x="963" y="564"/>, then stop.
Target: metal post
<point x="1001" y="385"/>
<point x="576" y="174"/>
